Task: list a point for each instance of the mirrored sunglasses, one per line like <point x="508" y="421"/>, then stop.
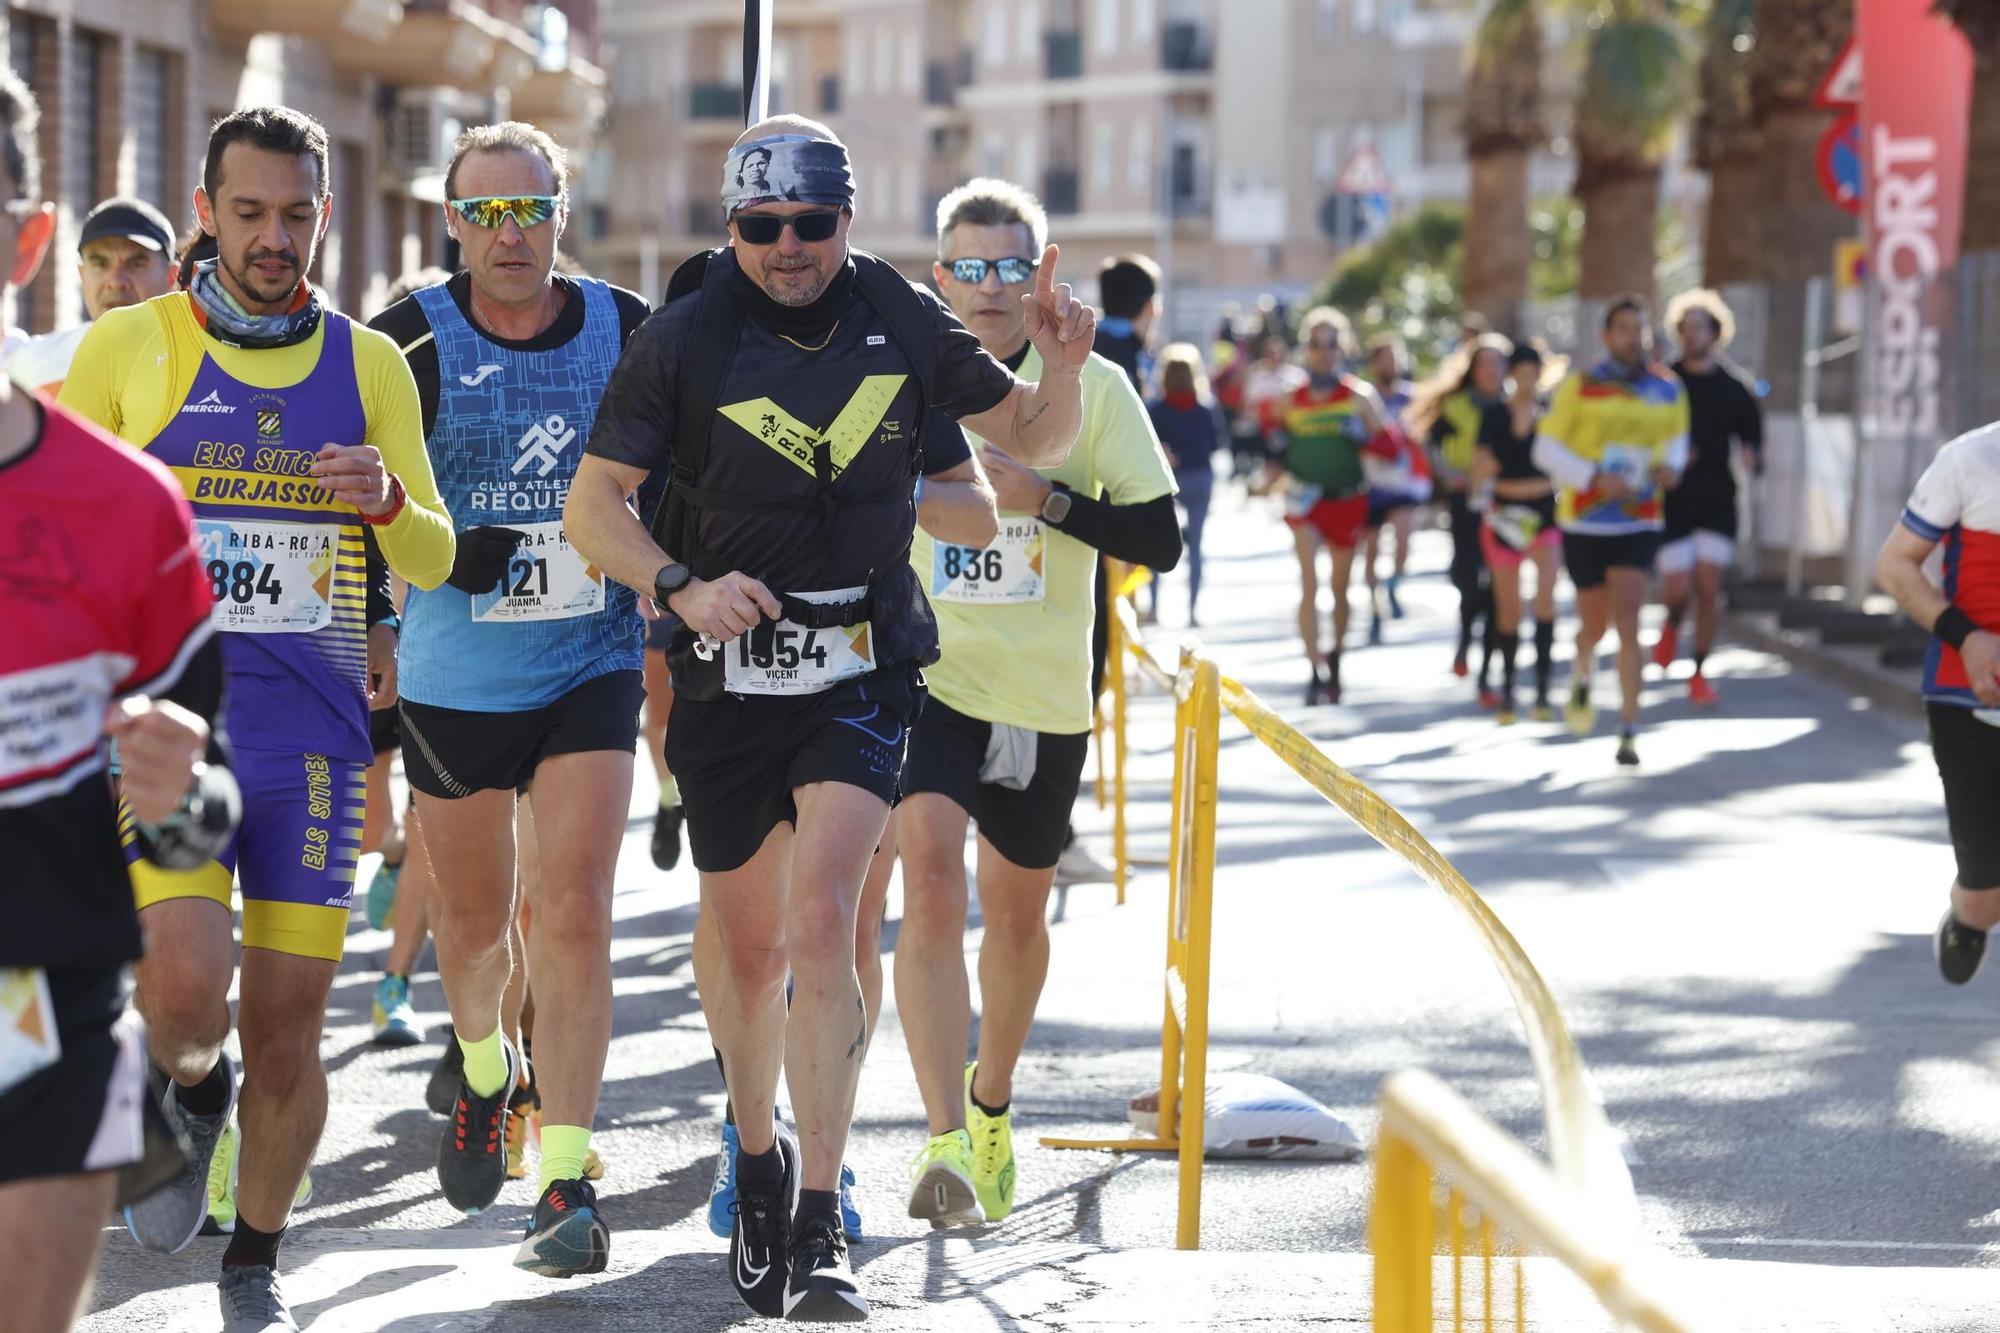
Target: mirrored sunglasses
<point x="527" y="210"/>
<point x="766" y="228"/>
<point x="1012" y="271"/>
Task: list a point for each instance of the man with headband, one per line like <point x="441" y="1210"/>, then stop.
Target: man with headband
<point x="783" y="384"/>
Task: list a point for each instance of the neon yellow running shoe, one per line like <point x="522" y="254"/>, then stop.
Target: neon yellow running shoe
<point x="941" y="1190"/>
<point x="221" y="1219"/>
<point x="992" y="1155"/>
<point x="1580" y="713"/>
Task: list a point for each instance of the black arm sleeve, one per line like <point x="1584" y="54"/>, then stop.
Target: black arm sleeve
<point x="381" y="599"/>
<point x="200" y="690"/>
<point x="1147" y="533"/>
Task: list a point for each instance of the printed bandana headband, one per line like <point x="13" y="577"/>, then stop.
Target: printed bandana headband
<point x="793" y="168"/>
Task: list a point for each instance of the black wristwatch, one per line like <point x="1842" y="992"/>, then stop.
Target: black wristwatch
<point x="1056" y="507"/>
<point x="670" y="580"/>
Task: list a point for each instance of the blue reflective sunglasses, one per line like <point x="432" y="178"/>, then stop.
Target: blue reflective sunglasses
<point x="972" y="272"/>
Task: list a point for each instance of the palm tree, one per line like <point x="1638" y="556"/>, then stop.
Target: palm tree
<point x="1979" y="20"/>
<point x="1797" y="42"/>
<point x="1634" y="89"/>
<point x="1726" y="144"/>
<point x="1502" y="125"/>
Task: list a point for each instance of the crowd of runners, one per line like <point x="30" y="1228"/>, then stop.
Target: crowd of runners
<point x="521" y="519"/>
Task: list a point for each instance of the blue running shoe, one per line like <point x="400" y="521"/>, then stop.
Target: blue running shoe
<point x="382" y="894"/>
<point x="850" y="1213"/>
<point x="722" y="1194"/>
<point x="395" y="1020"/>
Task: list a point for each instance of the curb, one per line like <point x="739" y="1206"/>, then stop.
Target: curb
<point x="1856" y="669"/>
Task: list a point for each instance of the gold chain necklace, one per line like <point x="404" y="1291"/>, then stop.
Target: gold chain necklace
<point x="808" y="347"/>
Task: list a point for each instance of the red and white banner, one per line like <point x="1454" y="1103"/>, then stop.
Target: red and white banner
<point x="1915" y="99"/>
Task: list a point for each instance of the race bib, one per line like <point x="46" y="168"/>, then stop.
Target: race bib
<point x="1300" y="499"/>
<point x="787" y="658"/>
<point x="268" y="578"/>
<point x="1009" y="570"/>
<point x="28" y="1040"/>
<point x="546" y="580"/>
<point x="1516" y="525"/>
<point x="1630" y="464"/>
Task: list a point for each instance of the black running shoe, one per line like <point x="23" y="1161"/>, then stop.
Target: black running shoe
<point x="822" y="1289"/>
<point x="1628" y="750"/>
<point x="567" y="1234"/>
<point x="472" y="1153"/>
<point x="760" y="1242"/>
<point x="1316" y="687"/>
<point x="1333" y="678"/>
<point x="442" y="1090"/>
<point x="1959" y="949"/>
<point x="667" y="836"/>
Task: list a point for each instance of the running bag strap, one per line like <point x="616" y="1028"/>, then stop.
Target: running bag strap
<point x="910" y="321"/>
<point x="823" y="615"/>
<point x="698" y="384"/>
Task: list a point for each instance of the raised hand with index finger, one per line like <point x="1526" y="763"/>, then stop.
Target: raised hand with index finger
<point x="1061" y="327"/>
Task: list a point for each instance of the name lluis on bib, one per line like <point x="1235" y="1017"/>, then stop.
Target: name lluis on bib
<point x="788" y="658"/>
<point x="267" y="578"/>
<point x="1009" y="569"/>
<point x="546" y="580"/>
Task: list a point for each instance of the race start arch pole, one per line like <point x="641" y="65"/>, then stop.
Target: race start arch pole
<point x="757" y="59"/>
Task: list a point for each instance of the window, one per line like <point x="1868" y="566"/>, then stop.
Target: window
<point x="994" y="42"/>
<point x="1326" y="154"/>
<point x="913" y="63"/>
<point x="1139" y="164"/>
<point x="1027" y="159"/>
<point x="1107" y="26"/>
<point x="1326" y="19"/>
<point x="1104" y="155"/>
<point x="884" y="74"/>
<point x="1364" y="16"/>
<point x="855" y="55"/>
<point x="1028" y="37"/>
<point x="1145" y="23"/>
<point x="150" y="87"/>
<point x="993" y="155"/>
<point x="82" y="116"/>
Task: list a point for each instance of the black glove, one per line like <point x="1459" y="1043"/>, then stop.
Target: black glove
<point x="482" y="558"/>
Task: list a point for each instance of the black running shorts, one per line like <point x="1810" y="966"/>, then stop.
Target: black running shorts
<point x="91" y="1110"/>
<point x="385" y="731"/>
<point x="740" y="758"/>
<point x="1590" y="557"/>
<point x="1028" y="827"/>
<point x="1968" y="759"/>
<point x="449" y="753"/>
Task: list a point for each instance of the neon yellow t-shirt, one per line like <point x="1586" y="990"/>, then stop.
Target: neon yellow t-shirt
<point x="1014" y="619"/>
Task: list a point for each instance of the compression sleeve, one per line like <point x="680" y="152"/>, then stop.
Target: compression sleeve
<point x="1552" y="452"/>
<point x="418" y="543"/>
<point x="1675" y="453"/>
<point x="1147" y="533"/>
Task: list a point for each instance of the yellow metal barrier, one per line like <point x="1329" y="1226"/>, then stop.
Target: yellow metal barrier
<point x="1585" y="1155"/>
<point x="1433" y="1146"/>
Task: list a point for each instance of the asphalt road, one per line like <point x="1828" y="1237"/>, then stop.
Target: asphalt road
<point x="1738" y="933"/>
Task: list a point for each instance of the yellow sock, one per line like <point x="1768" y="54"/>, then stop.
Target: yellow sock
<point x="563" y="1150"/>
<point x="485" y="1063"/>
<point x="670" y="792"/>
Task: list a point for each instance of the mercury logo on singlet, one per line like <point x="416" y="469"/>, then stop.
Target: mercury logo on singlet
<point x="212" y="403"/>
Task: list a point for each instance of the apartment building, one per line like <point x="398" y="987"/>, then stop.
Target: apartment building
<point x="128" y="89"/>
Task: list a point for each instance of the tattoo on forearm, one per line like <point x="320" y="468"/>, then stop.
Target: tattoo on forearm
<point x="1033" y="417"/>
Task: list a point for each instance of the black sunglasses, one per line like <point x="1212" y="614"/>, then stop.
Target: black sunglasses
<point x="972" y="272"/>
<point x="766" y="228"/>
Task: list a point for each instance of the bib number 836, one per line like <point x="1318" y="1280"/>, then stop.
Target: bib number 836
<point x="243" y="582"/>
<point x="788" y="648"/>
<point x="972" y="564"/>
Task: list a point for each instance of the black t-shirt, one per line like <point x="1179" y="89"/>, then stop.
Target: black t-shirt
<point x="829" y="371"/>
<point x="406" y="322"/>
<point x="1721" y="407"/>
<point x="1514" y="452"/>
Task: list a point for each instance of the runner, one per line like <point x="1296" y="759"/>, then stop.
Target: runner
<point x="1701" y="511"/>
<point x="1957" y="503"/>
<point x="106" y="639"/>
<point x="1128" y="287"/>
<point x="790" y="715"/>
<point x="1614" y="438"/>
<point x="521" y="674"/>
<point x="1003" y="737"/>
<point x="1395" y="486"/>
<point x="1189" y="426"/>
<point x="1520" y="526"/>
<point x="125" y="252"/>
<point x="1445" y="412"/>
<point x="238" y="384"/>
<point x="1321" y="431"/>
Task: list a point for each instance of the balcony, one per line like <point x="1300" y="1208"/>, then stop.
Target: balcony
<point x="943" y="79"/>
<point x="370" y="21"/>
<point x="1062" y="190"/>
<point x="566" y="101"/>
<point x="441" y="42"/>
<point x="1062" y="54"/>
<point x="716" y="101"/>
<point x="1185" y="48"/>
<point x="704" y="219"/>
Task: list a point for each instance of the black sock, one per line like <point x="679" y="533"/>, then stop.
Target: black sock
<point x="208" y="1097"/>
<point x="1468" y="612"/>
<point x="821" y="1204"/>
<point x="1545" y="653"/>
<point x="1333" y="670"/>
<point x="995" y="1111"/>
<point x="251" y="1248"/>
<point x="728" y="1107"/>
<point x="763" y="1173"/>
<point x="1699" y="658"/>
<point x="1510" y="646"/>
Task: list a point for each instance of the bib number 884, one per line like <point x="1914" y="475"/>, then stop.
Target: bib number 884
<point x="782" y="648"/>
<point x="242" y="582"/>
<point x="972" y="564"/>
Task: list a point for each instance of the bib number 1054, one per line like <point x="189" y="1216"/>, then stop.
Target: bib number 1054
<point x="786" y="648"/>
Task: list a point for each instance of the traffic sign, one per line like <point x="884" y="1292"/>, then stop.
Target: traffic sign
<point x="1364" y="173"/>
<point x="1841" y="88"/>
<point x="1839" y="162"/>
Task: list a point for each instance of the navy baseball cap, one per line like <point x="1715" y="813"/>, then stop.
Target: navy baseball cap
<point x="134" y="219"/>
